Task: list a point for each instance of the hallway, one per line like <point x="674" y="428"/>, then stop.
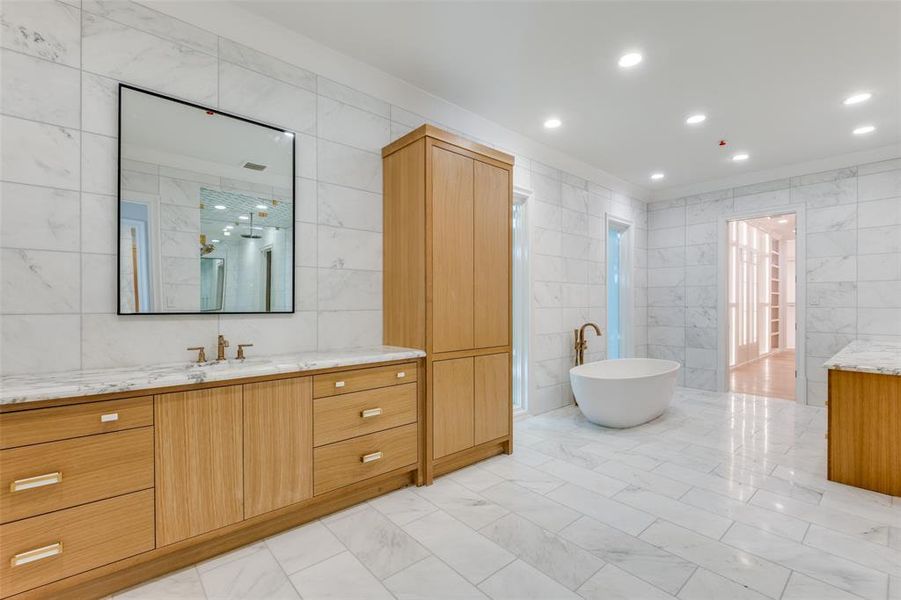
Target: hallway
<point x="772" y="375"/>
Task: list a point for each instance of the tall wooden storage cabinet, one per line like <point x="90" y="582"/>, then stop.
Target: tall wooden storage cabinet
<point x="447" y="257"/>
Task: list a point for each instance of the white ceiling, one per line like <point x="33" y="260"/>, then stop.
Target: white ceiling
<point x="770" y="75"/>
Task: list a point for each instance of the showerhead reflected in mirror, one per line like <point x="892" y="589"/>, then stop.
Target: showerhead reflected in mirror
<point x="206" y="210"/>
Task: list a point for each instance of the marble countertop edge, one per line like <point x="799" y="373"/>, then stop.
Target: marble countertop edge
<point x="17" y="389"/>
<point x="868" y="357"/>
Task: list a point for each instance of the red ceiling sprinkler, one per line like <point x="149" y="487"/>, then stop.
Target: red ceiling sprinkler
<point x="211" y="113"/>
<point x="722" y="143"/>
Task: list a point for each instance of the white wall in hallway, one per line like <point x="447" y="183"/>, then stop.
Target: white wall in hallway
<point x="853" y="266"/>
<point x="62" y="61"/>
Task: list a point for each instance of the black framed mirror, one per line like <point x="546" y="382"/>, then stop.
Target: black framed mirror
<point x="205" y="211"/>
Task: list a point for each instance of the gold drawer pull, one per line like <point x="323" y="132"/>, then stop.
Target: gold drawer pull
<point x="109" y="418"/>
<point x="30" y="556"/>
<point x="371" y="412"/>
<point x="401" y="374"/>
<point x="339" y="384"/>
<point x="29" y="483"/>
<point x="368" y="458"/>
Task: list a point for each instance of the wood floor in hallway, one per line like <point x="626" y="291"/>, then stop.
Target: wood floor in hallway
<point x="772" y="375"/>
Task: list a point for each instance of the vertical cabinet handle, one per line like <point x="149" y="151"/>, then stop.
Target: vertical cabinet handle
<point x="371" y="412"/>
<point x="401" y="374"/>
<point x="29" y="483"/>
<point x="368" y="458"/>
<point x="339" y="384"/>
<point x="109" y="418"/>
<point x="23" y="558"/>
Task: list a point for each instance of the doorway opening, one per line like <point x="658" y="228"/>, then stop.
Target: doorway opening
<point x="521" y="298"/>
<point x="761" y="304"/>
<point x="619" y="288"/>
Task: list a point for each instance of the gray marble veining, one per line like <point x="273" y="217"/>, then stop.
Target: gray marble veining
<point x="16" y="389"/>
<point x="868" y="357"/>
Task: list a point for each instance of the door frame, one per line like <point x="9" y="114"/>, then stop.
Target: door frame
<point x="722" y="284"/>
<point x="522" y="320"/>
<point x="626" y="289"/>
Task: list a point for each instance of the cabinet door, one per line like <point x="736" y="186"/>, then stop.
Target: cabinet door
<point x="278" y="444"/>
<point x="198" y="462"/>
<point x="452" y="402"/>
<point x="492" y="397"/>
<point x="452" y="258"/>
<point x="492" y="224"/>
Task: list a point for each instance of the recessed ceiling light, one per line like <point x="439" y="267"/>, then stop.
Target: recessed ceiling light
<point x="740" y="157"/>
<point x="226" y="233"/>
<point x="695" y="119"/>
<point x="629" y="60"/>
<point x="243" y="217"/>
<point x="219" y="207"/>
<point x="229" y="226"/>
<point x="657" y="176"/>
<point x="262" y="207"/>
<point x="782" y="221"/>
<point x="864" y="129"/>
<point x="553" y="123"/>
<point x="857" y="98"/>
<point x="215" y="241"/>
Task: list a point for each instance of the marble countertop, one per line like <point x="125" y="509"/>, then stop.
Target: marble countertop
<point x="868" y="357"/>
<point x="15" y="389"/>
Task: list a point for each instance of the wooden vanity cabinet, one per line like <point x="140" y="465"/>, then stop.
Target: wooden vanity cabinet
<point x="278" y="444"/>
<point x="199" y="466"/>
<point x="447" y="286"/>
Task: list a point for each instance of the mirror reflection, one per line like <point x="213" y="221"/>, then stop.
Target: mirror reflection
<point x="206" y="211"/>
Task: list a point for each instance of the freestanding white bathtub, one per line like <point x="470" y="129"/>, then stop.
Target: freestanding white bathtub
<point x="624" y="392"/>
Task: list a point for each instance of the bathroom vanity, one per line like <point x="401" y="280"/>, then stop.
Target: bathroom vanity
<point x="865" y="416"/>
<point x="110" y="478"/>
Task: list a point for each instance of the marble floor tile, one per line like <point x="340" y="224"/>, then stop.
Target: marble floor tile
<point x="304" y="546"/>
<point x="469" y="553"/>
<point x="534" y="507"/>
<point x="341" y="577"/>
<point x="475" y="478"/>
<point x="256" y="575"/>
<point x="841" y="573"/>
<point x="519" y="581"/>
<point x="383" y="547"/>
<point x="714" y="483"/>
<point x="462" y="503"/>
<point x="705" y="585"/>
<point x="181" y="585"/>
<point x="876" y="556"/>
<point x="605" y="510"/>
<point x="403" y="506"/>
<point x="590" y="480"/>
<point x="766" y="577"/>
<point x="431" y="579"/>
<point x="649" y="480"/>
<point x="633" y="555"/>
<point x="559" y="559"/>
<point x="569" y="452"/>
<point x="685" y="515"/>
<point x="528" y="477"/>
<point x="802" y="587"/>
<point x="748" y="514"/>
<point x="612" y="583"/>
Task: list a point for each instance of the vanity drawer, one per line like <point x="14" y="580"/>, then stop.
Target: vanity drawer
<point x="351" y="415"/>
<point x="47" y="477"/>
<point x="42" y="549"/>
<point x="343" y="463"/>
<point x="63" y="422"/>
<point x="345" y="382"/>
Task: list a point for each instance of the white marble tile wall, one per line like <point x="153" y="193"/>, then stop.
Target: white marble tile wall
<point x="568" y="264"/>
<point x="60" y="68"/>
<point x="853" y="266"/>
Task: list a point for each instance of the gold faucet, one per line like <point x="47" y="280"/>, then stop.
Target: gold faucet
<point x="221" y="345"/>
<point x="241" y="350"/>
<point x="581" y="343"/>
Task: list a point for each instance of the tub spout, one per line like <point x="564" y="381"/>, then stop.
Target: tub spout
<point x="581" y="343"/>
